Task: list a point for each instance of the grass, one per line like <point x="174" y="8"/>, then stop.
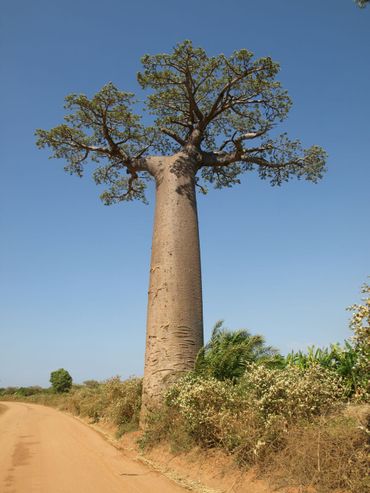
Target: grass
<point x="328" y="455"/>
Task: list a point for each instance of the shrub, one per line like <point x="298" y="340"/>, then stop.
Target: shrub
<point x="292" y="392"/>
<point x="61" y="380"/>
<point x="123" y="400"/>
<point x="202" y="403"/>
<point x="114" y="401"/>
<point x="28" y="391"/>
<point x="250" y="418"/>
<point x="87" y="402"/>
<point x="7" y="391"/>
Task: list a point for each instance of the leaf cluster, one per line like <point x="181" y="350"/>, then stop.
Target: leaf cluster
<point x="227" y="354"/>
<point x="106" y="131"/>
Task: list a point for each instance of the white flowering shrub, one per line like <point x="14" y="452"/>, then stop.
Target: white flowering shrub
<point x="204" y="403"/>
<point x="251" y="418"/>
<point x="293" y="392"/>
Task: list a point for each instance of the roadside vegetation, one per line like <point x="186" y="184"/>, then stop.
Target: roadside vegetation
<point x="113" y="401"/>
<point x="301" y="420"/>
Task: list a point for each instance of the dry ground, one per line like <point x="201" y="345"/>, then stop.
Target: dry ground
<point x="45" y="451"/>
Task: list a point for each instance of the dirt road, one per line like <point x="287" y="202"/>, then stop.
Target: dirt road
<point x="45" y="451"/>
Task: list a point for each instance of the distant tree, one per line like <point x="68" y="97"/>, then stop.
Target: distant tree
<point x="215" y="118"/>
<point x="228" y="353"/>
<point x="362" y="3"/>
<point x="61" y="380"/>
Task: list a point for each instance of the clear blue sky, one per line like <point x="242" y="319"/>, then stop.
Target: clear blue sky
<point x="284" y="262"/>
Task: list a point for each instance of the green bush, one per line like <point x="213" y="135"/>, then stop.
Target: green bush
<point x="113" y="401"/>
<point x="7" y="391"/>
<point x="61" y="380"/>
<point x="28" y="391"/>
<point x="341" y="359"/>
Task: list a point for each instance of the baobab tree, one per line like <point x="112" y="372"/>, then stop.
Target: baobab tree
<point x="213" y="118"/>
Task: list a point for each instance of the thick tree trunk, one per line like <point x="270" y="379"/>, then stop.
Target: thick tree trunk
<point x="175" y="321"/>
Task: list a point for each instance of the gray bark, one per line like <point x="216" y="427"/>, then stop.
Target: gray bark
<point x="174" y="319"/>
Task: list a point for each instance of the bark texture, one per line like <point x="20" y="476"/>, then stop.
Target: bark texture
<point x="175" y="320"/>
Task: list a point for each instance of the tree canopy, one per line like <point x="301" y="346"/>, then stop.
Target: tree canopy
<point x="61" y="380"/>
<point x="219" y="110"/>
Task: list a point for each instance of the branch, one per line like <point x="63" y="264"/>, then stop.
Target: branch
<point x="253" y="135"/>
<point x="203" y="190"/>
<point x="191" y="89"/>
<point x="228" y="141"/>
<point x="80" y="145"/>
<point x="260" y="161"/>
<point x="220" y="159"/>
<point x="182" y="124"/>
<point x="130" y="190"/>
<point x="115" y="149"/>
<point x="247" y="136"/>
<point x="173" y="135"/>
<point x="215" y="110"/>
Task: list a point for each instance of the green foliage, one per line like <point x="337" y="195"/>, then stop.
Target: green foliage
<point x="228" y="353"/>
<point x="113" y="401"/>
<point x="362" y="3"/>
<point x="27" y="391"/>
<point x="220" y="111"/>
<point x="61" y="381"/>
<point x="105" y="130"/>
<point x="5" y="391"/>
<point x="351" y="361"/>
<point x="340" y="359"/>
<point x="187" y="84"/>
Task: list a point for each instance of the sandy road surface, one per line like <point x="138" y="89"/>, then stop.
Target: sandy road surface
<point x="45" y="451"/>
